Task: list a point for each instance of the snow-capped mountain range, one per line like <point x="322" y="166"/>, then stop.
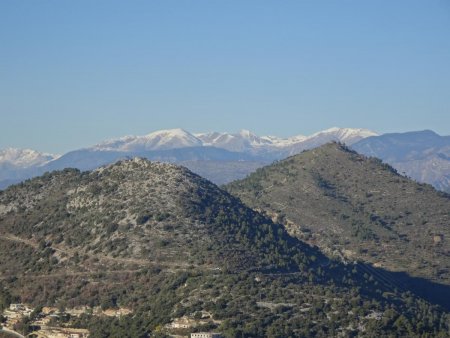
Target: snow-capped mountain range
<point x="242" y="152"/>
<point x="223" y="157"/>
<point x="244" y="141"/>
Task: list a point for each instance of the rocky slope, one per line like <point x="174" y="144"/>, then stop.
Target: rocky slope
<point x="135" y="209"/>
<point x="170" y="245"/>
<point x="356" y="207"/>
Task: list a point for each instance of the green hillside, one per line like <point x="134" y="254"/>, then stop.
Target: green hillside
<point x="168" y="244"/>
<point x="357" y="208"/>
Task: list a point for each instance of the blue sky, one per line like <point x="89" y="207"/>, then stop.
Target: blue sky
<point x="73" y="73"/>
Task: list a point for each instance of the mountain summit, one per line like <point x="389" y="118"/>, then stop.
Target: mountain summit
<point x="158" y="140"/>
<point x="15" y="163"/>
<point x="24" y="158"/>
<point x="355" y="207"/>
<point x="140" y="204"/>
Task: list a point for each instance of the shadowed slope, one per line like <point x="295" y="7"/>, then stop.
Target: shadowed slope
<point x="165" y="242"/>
<point x="357" y="208"/>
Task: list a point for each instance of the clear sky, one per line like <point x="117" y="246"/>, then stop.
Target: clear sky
<point x="76" y="72"/>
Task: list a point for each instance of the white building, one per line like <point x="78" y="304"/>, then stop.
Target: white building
<point x="17" y="307"/>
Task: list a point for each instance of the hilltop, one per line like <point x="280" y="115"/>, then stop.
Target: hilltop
<point x="357" y="208"/>
<point x="138" y="209"/>
<point x="169" y="245"/>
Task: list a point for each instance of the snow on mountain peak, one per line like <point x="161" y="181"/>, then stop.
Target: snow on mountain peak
<point x="24" y="158"/>
<point x="157" y="140"/>
<point x="171" y="138"/>
<point x="243" y="141"/>
<point x="176" y="132"/>
<point x="246" y="133"/>
<point x="345" y="135"/>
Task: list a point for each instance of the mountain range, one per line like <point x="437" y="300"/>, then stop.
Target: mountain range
<point x="423" y="156"/>
<point x="220" y="157"/>
<point x="244" y="141"/>
<point x="224" y="157"/>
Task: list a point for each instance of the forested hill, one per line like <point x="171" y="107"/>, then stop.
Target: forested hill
<point x="168" y="244"/>
<point x="139" y="209"/>
<point x="356" y="207"/>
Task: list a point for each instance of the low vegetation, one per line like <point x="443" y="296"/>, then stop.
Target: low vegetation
<point x="356" y="208"/>
<point x="168" y="244"/>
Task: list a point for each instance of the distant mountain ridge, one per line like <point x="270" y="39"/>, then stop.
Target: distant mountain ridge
<point x="220" y="157"/>
<point x="24" y="157"/>
<point x="224" y="157"/>
<point x="246" y="141"/>
<point x="243" y="141"/>
<point x="13" y="162"/>
<point x="422" y="155"/>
